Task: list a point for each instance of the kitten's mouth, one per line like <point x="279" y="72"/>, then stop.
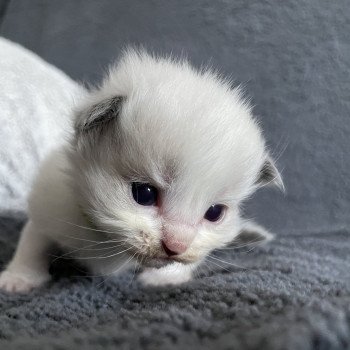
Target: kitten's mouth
<point x="156" y="255"/>
<point x="160" y="261"/>
<point x="157" y="262"/>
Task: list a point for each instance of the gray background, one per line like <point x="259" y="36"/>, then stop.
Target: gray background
<point x="292" y="56"/>
<point x="293" y="294"/>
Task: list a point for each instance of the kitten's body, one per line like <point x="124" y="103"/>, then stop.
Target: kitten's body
<point x="158" y="122"/>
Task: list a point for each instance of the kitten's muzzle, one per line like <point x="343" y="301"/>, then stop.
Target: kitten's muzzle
<point x="176" y="237"/>
<point x="172" y="247"/>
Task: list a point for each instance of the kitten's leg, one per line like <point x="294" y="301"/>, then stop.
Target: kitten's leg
<point x="29" y="267"/>
<point x="172" y="274"/>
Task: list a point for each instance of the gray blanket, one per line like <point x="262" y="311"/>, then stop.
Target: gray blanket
<point x="294" y="58"/>
<point x="291" y="294"/>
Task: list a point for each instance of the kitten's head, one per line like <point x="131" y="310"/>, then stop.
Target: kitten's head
<point x="163" y="155"/>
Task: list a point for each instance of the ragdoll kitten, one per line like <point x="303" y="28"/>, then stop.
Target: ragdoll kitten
<point x="160" y="159"/>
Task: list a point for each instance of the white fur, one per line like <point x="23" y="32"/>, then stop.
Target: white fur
<point x="187" y="132"/>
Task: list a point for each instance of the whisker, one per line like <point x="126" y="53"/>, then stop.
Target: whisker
<point x="115" y="271"/>
<point x="102" y="257"/>
<point x="105" y="248"/>
<point x="84" y="248"/>
<point x="280" y="149"/>
<point x="256" y="241"/>
<point x="250" y="250"/>
<point x="207" y="265"/>
<point x="136" y="268"/>
<point x="83" y="227"/>
<point x="196" y="272"/>
<point x="95" y="241"/>
<point x="221" y="267"/>
<point x="226" y="262"/>
<point x="116" y="253"/>
<point x="64" y="256"/>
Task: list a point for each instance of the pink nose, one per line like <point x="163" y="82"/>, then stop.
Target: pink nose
<point x="172" y="247"/>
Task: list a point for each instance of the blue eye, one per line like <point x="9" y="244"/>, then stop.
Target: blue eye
<point x="214" y="213"/>
<point x="144" y="194"/>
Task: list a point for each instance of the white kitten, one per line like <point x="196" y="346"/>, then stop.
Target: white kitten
<point x="161" y="157"/>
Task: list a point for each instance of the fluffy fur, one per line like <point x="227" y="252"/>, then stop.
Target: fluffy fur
<point x="158" y="121"/>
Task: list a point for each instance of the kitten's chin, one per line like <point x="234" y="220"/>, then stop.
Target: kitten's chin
<point x="157" y="262"/>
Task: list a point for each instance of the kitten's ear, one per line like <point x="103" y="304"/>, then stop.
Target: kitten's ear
<point x="251" y="234"/>
<point x="269" y="175"/>
<point x="99" y="115"/>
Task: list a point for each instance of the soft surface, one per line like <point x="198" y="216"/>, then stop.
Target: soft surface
<point x="35" y="101"/>
<point x="294" y="58"/>
<point x="292" y="294"/>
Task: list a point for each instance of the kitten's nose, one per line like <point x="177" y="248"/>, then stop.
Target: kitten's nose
<point x="172" y="247"/>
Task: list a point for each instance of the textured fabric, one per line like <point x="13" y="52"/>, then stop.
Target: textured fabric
<point x="35" y="101"/>
<point x="291" y="294"/>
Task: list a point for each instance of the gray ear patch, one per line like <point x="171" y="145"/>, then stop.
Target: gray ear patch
<point x="100" y="114"/>
<point x="251" y="234"/>
<point x="269" y="175"/>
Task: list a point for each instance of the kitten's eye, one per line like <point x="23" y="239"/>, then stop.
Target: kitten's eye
<point x="215" y="212"/>
<point x="144" y="194"/>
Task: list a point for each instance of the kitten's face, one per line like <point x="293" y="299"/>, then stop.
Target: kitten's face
<point x="166" y="165"/>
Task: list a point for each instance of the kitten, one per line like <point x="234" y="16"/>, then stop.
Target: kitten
<point x="160" y="159"/>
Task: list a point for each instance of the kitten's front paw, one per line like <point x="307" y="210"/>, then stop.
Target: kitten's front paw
<point x="173" y="274"/>
<point x="17" y="283"/>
